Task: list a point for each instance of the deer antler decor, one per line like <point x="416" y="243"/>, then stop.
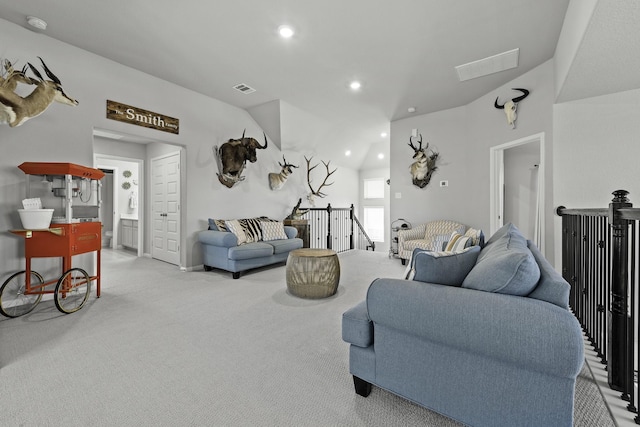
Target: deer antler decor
<point x="317" y="192"/>
<point x="424" y="165"/>
<point x="15" y="109"/>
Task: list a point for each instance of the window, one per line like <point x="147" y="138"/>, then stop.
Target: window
<point x="374" y="222"/>
<point x="374" y="188"/>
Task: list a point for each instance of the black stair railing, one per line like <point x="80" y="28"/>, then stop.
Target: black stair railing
<point x="600" y="261"/>
<point x="337" y="229"/>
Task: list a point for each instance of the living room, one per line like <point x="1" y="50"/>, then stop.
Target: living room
<point x="584" y="99"/>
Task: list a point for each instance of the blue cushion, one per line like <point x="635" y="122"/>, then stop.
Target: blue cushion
<point x="443" y="268"/>
<point x="250" y="250"/>
<point x="505" y="265"/>
<point x="551" y="286"/>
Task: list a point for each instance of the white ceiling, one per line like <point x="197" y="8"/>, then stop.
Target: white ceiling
<point x="403" y="51"/>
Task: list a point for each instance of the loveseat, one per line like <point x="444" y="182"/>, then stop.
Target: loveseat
<point x="429" y="236"/>
<point x="240" y="245"/>
<point x="483" y="336"/>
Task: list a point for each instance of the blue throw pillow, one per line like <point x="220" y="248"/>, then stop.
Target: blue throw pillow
<point x="443" y="268"/>
<point x="505" y="265"/>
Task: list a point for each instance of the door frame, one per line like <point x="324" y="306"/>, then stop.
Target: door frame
<point x="181" y="219"/>
<point x="100" y="161"/>
<point x="496" y="178"/>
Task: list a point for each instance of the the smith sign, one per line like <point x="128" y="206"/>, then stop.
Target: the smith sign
<point x="138" y="116"/>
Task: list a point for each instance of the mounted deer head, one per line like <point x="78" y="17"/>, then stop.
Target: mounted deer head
<point x="277" y="180"/>
<point x="317" y="192"/>
<point x="16" y="110"/>
<point x="424" y="165"/>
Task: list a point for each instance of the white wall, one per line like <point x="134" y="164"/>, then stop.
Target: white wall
<point x="64" y="134"/>
<point x="596" y="151"/>
<point x="463" y="137"/>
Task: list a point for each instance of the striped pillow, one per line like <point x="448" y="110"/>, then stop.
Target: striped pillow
<point x="457" y="242"/>
<point x="251" y="227"/>
<point x="234" y="226"/>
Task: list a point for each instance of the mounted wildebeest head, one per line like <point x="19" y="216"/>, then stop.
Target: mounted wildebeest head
<point x="510" y="107"/>
<point x="233" y="155"/>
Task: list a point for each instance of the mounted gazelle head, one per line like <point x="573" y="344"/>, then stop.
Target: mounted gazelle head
<point x="510" y="107"/>
<point x="424" y="165"/>
<point x="277" y="180"/>
<point x="16" y="110"/>
<point x="10" y="77"/>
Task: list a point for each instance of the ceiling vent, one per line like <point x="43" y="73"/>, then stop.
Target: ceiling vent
<point x="244" y="88"/>
<point x="493" y="64"/>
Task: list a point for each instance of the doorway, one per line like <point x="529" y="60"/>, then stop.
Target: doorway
<point x="165" y="208"/>
<point x="517" y="186"/>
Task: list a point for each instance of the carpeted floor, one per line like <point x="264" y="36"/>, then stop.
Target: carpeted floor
<point x="164" y="348"/>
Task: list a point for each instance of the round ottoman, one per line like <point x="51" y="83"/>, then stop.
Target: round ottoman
<point x="313" y="273"/>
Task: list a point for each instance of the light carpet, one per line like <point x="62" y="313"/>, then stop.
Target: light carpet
<point x="164" y="348"/>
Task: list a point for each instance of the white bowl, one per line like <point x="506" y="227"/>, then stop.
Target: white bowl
<point x="35" y="219"/>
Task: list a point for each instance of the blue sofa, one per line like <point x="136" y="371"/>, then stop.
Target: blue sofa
<point x="486" y="339"/>
<point x="220" y="249"/>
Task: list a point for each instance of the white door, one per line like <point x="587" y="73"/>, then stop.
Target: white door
<point x="165" y="211"/>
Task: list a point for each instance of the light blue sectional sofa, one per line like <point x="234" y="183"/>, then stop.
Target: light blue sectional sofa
<point x="494" y="346"/>
<point x="221" y="249"/>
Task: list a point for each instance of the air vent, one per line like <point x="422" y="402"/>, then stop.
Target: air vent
<point x="244" y="88"/>
<point x="493" y="64"/>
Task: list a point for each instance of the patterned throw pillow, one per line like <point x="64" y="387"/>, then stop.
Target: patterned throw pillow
<point x="272" y="230"/>
<point x="220" y="223"/>
<point x="477" y="236"/>
<point x="251" y="227"/>
<point x="457" y="242"/>
<point x="235" y="227"/>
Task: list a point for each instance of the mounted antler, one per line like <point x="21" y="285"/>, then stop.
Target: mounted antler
<point x="510" y="106"/>
<point x="10" y="78"/>
<point x="324" y="183"/>
<point x="16" y="110"/>
<point x="414" y="147"/>
<point x="424" y="165"/>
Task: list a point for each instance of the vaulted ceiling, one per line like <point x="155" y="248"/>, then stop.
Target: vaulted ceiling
<point x="403" y="52"/>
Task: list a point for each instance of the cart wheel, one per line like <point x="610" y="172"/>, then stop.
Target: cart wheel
<point x="13" y="300"/>
<point x="72" y="290"/>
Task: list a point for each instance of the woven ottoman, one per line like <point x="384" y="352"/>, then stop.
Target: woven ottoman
<point x="313" y="273"/>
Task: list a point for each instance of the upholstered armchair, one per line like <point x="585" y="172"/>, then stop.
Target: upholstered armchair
<point x="430" y="235"/>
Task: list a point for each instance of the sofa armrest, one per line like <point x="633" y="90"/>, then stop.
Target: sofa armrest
<point x="357" y="328"/>
<point x="518" y="330"/>
<point x="218" y="238"/>
<point x="290" y="231"/>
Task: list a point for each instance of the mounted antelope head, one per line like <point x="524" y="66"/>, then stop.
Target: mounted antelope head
<point x="16" y="110"/>
<point x="277" y="180"/>
<point x="318" y="193"/>
<point x="510" y="107"/>
<point x="424" y="165"/>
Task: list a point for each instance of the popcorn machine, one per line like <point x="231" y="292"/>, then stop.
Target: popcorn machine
<point x="75" y="229"/>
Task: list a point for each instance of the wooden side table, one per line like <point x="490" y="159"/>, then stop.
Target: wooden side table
<point x="302" y="225"/>
<point x="313" y="273"/>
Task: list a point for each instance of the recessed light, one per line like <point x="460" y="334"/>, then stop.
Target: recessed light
<point x="381" y="156"/>
<point x="347" y="153"/>
<point x="383" y="134"/>
<point x="37" y="23"/>
<point x="285" y="31"/>
<point x="411" y="109"/>
<point x="355" y="85"/>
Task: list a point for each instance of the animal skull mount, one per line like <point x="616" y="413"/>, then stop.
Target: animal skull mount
<point x="510" y="107"/>
<point x="277" y="180"/>
<point x="424" y="164"/>
<point x="14" y="109"/>
<point x="232" y="158"/>
<point x="311" y="197"/>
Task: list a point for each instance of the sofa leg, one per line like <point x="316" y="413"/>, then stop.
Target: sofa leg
<point x="363" y="388"/>
<point x="236" y="274"/>
<point x="404" y="261"/>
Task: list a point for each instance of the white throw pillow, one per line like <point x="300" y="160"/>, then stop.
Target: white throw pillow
<point x="234" y="226"/>
<point x="272" y="230"/>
